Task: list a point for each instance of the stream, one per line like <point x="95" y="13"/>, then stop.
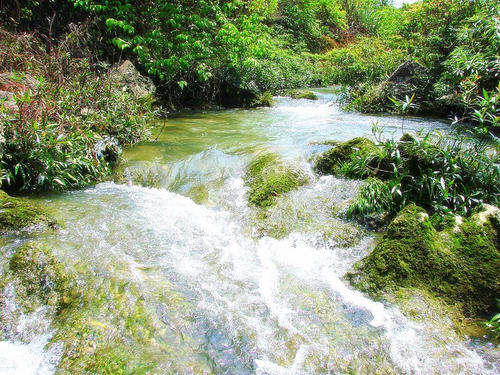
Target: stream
<point x="227" y="288"/>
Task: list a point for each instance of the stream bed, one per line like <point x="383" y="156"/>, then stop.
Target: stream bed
<point x="225" y="288"/>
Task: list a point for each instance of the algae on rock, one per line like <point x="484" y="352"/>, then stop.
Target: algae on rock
<point x="333" y="160"/>
<point x="116" y="329"/>
<point x="301" y="94"/>
<point x="18" y="213"/>
<point x="459" y="265"/>
<point x="268" y="177"/>
<point x="34" y="279"/>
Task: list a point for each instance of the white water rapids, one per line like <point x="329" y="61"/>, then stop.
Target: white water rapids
<point x="257" y="304"/>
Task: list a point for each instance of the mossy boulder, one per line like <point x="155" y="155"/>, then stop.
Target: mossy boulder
<point x="262" y="100"/>
<point x="459" y="265"/>
<point x="301" y="94"/>
<point x="18" y="213"/>
<point x="268" y="177"/>
<point x="332" y="161"/>
<point x="39" y="278"/>
<point x="116" y="328"/>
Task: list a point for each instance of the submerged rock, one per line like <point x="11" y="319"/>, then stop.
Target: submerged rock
<point x="116" y="328"/>
<point x="18" y="213"/>
<point x="34" y="281"/>
<point x="460" y="266"/>
<point x="268" y="177"/>
<point x="332" y="161"/>
<point x="102" y="324"/>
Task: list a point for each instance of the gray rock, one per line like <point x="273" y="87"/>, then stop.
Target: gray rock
<point x="8" y="102"/>
<point x="408" y="72"/>
<point x="127" y="76"/>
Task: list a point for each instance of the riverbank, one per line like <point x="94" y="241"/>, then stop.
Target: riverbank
<point x="64" y="121"/>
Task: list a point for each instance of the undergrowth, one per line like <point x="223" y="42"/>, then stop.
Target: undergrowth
<point x="441" y="174"/>
<point x="71" y="119"/>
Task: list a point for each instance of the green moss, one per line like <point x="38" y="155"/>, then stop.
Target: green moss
<point x="325" y="143"/>
<point x="301" y="94"/>
<point x="18" y="213"/>
<point x="333" y="160"/>
<point x="198" y="193"/>
<point x="460" y="265"/>
<point x="263" y="100"/>
<point x="39" y="279"/>
<point x="113" y="328"/>
<point x="268" y="177"/>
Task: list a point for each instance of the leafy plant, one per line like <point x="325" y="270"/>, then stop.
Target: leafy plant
<point x="438" y="173"/>
<point x="494" y="324"/>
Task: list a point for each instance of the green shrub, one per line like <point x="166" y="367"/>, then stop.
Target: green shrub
<point x="438" y="173"/>
<point x="68" y="130"/>
<point x="367" y="60"/>
<point x="494" y="324"/>
<point x="373" y="198"/>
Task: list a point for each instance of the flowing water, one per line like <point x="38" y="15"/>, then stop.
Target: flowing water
<point x="228" y="289"/>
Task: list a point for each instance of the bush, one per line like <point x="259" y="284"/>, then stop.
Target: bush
<point x="367" y="60"/>
<point x="68" y="129"/>
<point x="437" y="173"/>
<point x="494" y="324"/>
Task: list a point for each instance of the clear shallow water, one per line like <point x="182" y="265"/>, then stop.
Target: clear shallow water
<point x="253" y="304"/>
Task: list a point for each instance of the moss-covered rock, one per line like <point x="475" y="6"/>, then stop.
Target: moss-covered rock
<point x="115" y="328"/>
<point x="332" y="161"/>
<point x="262" y="100"/>
<point x="33" y="279"/>
<point x="18" y="213"/>
<point x="460" y="265"/>
<point x="40" y="278"/>
<point x="301" y="94"/>
<point x="268" y="177"/>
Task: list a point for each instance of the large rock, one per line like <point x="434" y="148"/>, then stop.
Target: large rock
<point x="332" y="161"/>
<point x="19" y="213"/>
<point x="408" y="72"/>
<point x="127" y="76"/>
<point x="458" y="264"/>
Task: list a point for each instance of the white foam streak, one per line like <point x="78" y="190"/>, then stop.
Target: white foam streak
<point x="28" y="359"/>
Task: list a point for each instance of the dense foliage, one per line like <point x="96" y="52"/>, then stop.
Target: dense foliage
<point x="69" y="122"/>
<point x="442" y="175"/>
<point x="457" y="43"/>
